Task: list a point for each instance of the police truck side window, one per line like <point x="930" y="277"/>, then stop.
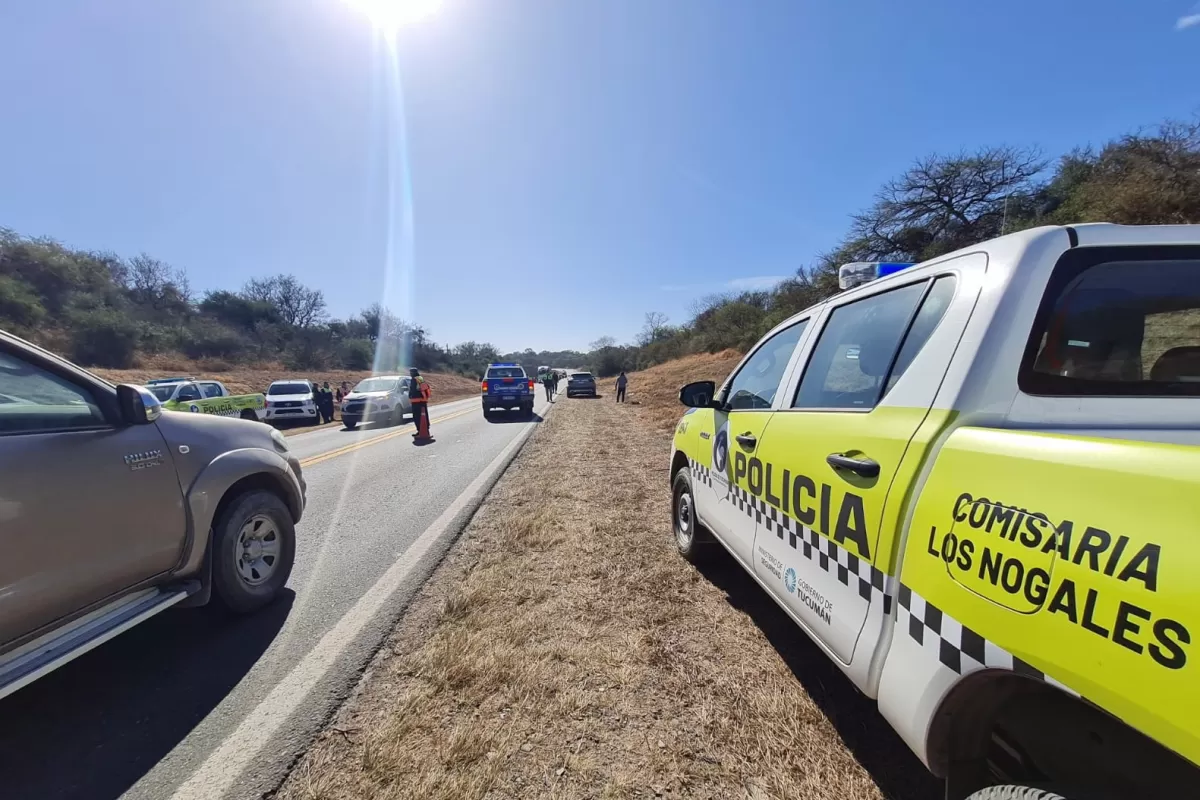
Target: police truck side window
<point x="756" y="382"/>
<point x="848" y="366"/>
<point x="1117" y="327"/>
<point x="933" y="308"/>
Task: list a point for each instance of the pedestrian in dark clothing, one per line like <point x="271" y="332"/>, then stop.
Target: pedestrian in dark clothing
<point x="326" y="404"/>
<point x="551" y="384"/>
<point x="621" y="381"/>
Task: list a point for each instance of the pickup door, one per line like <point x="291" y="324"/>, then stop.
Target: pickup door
<point x="88" y="507"/>
<point x="851" y="431"/>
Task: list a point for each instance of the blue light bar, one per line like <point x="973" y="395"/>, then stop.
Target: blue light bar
<point x="504" y="364"/>
<point x="167" y="380"/>
<point x="857" y="273"/>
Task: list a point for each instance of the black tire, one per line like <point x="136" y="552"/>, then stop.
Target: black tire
<point x="248" y="414"/>
<point x="691" y="540"/>
<point x="252" y="510"/>
<point x="1009" y="792"/>
<point x="350" y="424"/>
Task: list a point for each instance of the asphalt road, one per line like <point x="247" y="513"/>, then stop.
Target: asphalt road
<point x="155" y="710"/>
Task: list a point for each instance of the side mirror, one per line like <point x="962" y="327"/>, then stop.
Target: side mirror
<point x="698" y="394"/>
<point x="138" y="405"/>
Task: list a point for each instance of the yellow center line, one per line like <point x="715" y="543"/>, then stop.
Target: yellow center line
<point x="375" y="440"/>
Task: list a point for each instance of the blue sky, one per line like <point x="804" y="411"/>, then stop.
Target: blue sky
<point x="594" y="159"/>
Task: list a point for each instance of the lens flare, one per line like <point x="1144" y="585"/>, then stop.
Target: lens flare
<point x="389" y="15"/>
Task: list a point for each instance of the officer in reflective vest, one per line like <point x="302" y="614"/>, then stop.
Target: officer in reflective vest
<point x="418" y="395"/>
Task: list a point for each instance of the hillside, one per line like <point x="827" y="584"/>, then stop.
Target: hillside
<point x="656" y="390"/>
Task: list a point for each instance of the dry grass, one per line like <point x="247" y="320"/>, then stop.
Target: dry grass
<point x="656" y="390"/>
<point x="564" y="650"/>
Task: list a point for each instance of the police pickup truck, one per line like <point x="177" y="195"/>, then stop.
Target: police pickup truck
<point x="206" y="397"/>
<point x="506" y="386"/>
<point x="974" y="483"/>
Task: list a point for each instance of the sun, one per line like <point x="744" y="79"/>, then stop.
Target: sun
<point x="389" y="15"/>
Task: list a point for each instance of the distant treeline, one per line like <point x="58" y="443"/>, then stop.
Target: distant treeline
<point x="105" y="311"/>
<point x="940" y="204"/>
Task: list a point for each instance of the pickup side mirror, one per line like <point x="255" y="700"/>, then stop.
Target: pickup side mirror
<point x="698" y="394"/>
<point x="138" y="405"/>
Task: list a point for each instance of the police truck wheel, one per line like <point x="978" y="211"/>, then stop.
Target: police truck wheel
<point x="254" y="546"/>
<point x="1015" y="793"/>
<point x="248" y="414"/>
<point x="690" y="539"/>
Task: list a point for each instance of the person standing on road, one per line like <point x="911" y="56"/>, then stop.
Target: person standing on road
<point x="621" y="381"/>
<point x="419" y="394"/>
<point x="549" y="382"/>
<point x="327" y="402"/>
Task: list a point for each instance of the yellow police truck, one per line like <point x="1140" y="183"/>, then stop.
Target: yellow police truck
<point x="207" y="397"/>
<point x="975" y="484"/>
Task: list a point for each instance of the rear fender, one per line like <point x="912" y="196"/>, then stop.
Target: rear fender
<point x="249" y="468"/>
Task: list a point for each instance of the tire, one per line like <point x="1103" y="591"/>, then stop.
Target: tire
<point x="1008" y="792"/>
<point x="254" y="547"/>
<point x="350" y="424"/>
<point x="691" y="540"/>
<point x="248" y="414"/>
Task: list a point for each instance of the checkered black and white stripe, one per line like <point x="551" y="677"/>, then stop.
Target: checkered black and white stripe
<point x="827" y="554"/>
<point x="700" y="472"/>
<point x="954" y="644"/>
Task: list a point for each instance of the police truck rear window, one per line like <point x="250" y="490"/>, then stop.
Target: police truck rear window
<point x="505" y="372"/>
<point x="1118" y="327"/>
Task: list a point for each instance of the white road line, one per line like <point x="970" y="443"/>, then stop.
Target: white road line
<point x="226" y="763"/>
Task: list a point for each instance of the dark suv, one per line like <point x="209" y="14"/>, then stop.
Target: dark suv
<point x="581" y="383"/>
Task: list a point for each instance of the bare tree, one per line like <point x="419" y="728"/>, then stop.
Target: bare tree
<point x="603" y="343"/>
<point x="298" y="305"/>
<point x="155" y="283"/>
<point x="654" y="328"/>
<point x="942" y="203"/>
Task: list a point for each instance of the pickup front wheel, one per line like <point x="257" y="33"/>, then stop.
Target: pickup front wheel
<point x="254" y="546"/>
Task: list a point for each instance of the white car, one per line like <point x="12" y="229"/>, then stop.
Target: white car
<point x="291" y="400"/>
<point x="382" y="398"/>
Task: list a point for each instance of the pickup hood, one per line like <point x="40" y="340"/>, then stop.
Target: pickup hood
<point x="368" y="396"/>
<point x="289" y="398"/>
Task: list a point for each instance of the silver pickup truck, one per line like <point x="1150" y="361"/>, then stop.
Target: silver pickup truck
<point x="112" y="511"/>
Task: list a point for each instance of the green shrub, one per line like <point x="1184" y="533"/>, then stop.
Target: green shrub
<point x="103" y="338"/>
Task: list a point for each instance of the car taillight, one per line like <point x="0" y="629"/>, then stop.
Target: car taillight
<point x="483" y="386"/>
<point x="531" y="385"/>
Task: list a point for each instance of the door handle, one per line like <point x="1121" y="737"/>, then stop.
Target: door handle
<point x="747" y="441"/>
<point x="864" y="467"/>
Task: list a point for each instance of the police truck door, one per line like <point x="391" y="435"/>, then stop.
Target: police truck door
<point x="748" y="401"/>
<point x="834" y="452"/>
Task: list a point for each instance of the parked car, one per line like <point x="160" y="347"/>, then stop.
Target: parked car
<point x="382" y="398"/>
<point x="112" y="510"/>
<point x="581" y="384"/>
<point x="289" y="401"/>
<point x="206" y="397"/>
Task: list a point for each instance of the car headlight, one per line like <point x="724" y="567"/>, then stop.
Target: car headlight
<point x="279" y="440"/>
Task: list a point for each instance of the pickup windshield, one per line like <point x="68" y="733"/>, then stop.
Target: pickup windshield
<point x="376" y="385"/>
<point x="289" y="388"/>
<point x="163" y="391"/>
<point x="506" y="372"/>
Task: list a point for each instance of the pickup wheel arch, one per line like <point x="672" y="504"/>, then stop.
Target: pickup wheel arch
<point x="997" y="726"/>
